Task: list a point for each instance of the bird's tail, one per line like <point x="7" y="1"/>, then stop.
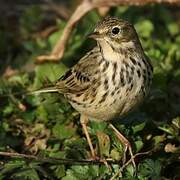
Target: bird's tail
<point x="35" y="92"/>
<point x="43" y="90"/>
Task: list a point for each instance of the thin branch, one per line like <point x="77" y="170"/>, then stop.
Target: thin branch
<point x="70" y="161"/>
<point x="59" y="48"/>
<point x="128" y="162"/>
<point x="136" y="155"/>
<point x="58" y="160"/>
<point x="82" y="10"/>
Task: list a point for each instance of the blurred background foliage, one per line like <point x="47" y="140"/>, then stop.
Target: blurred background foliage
<point x="46" y="125"/>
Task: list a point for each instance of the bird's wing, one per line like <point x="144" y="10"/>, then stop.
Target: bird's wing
<point x="80" y="77"/>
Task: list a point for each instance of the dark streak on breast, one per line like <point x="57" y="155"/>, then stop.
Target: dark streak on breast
<point x="114" y="72"/>
<point x="139" y="73"/>
<point x="133" y="60"/>
<point x="106" y="86"/>
<point x="105" y="66"/>
<point x="122" y="81"/>
<point x="104" y="97"/>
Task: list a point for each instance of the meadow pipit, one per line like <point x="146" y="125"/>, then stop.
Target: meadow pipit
<point x="110" y="80"/>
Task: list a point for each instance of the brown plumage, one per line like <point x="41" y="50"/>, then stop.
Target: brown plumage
<point x="110" y="80"/>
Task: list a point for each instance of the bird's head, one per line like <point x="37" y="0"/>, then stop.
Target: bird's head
<point x="115" y="32"/>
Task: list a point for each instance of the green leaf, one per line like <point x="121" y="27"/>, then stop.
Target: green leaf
<point x="8" y="110"/>
<point x="48" y="71"/>
<point x="59" y="171"/>
<point x="69" y="176"/>
<point x="138" y="127"/>
<point x="58" y="154"/>
<point x="93" y="171"/>
<point x="97" y="127"/>
<point x="138" y="145"/>
<point x="144" y="28"/>
<point x="62" y="131"/>
<point x="5" y="126"/>
<point x="150" y="169"/>
<point x="115" y="154"/>
<point x="173" y="28"/>
<point x="158" y="139"/>
<point x="76" y="173"/>
<point x="28" y="116"/>
<point x="52" y="40"/>
<point x="130" y="173"/>
<point x="11" y="165"/>
<point x="167" y="128"/>
<point x="80" y="171"/>
<point x="104" y="143"/>
<point x="41" y="113"/>
<point x="26" y="174"/>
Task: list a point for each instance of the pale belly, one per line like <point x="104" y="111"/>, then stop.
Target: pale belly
<point x="114" y="106"/>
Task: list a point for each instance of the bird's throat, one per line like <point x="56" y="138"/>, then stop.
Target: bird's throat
<point x="113" y="52"/>
<point x="108" y="52"/>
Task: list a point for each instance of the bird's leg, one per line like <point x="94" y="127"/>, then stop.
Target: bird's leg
<point x="84" y="121"/>
<point x="126" y="143"/>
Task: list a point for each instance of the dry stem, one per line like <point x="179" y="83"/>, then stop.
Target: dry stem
<point x="83" y="9"/>
<point x="69" y="161"/>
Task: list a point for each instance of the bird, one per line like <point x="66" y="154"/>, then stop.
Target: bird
<point x="110" y="80"/>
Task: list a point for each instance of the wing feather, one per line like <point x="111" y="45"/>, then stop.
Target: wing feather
<point x="81" y="76"/>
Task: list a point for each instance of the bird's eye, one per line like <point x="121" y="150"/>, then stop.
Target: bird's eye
<point x="115" y="30"/>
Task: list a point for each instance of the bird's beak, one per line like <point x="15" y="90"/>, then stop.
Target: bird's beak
<point x="94" y="35"/>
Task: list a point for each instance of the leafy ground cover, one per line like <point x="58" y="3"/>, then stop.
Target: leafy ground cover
<point x="47" y="126"/>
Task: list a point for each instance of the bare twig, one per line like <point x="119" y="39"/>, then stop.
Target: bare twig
<point x="70" y="161"/>
<point x="128" y="162"/>
<point x="58" y="160"/>
<point x="58" y="50"/>
<point x="83" y="9"/>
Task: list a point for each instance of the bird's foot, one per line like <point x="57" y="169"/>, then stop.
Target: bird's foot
<point x="132" y="157"/>
<point x="127" y="145"/>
